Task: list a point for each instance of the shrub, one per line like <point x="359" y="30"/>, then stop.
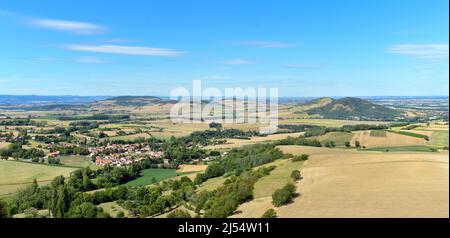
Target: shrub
<point x="283" y="195"/>
<point x="179" y="214"/>
<point x="302" y="157"/>
<point x="296" y="175"/>
<point x="269" y="214"/>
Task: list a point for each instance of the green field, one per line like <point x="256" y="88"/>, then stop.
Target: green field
<point x="439" y="139"/>
<point x="339" y="138"/>
<point x="402" y="149"/>
<point x="412" y="134"/>
<point x="147" y="176"/>
<point x="15" y="175"/>
<point x="74" y="161"/>
<point x="378" y="133"/>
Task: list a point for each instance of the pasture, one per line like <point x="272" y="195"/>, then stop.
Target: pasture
<point x="339" y="138"/>
<point x="74" y="161"/>
<point x="15" y="175"/>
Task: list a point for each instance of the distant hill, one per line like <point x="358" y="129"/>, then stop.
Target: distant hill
<point x="352" y="108"/>
<point x="46" y="100"/>
<point x="133" y="101"/>
<point x="316" y="103"/>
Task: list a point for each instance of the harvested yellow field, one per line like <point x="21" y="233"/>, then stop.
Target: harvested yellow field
<point x="233" y="143"/>
<point x="329" y="122"/>
<point x="348" y="183"/>
<point x="184" y="168"/>
<point x="391" y="139"/>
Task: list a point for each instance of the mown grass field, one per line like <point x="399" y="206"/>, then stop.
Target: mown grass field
<point x="74" y="161"/>
<point x="339" y="138"/>
<point x="150" y="176"/>
<point x="329" y="122"/>
<point x="15" y="175"/>
<point x="378" y="133"/>
<point x="439" y="139"/>
<point x="392" y="139"/>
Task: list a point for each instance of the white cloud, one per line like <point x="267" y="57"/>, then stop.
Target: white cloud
<point x="270" y="44"/>
<point x="425" y="51"/>
<point x="94" y="60"/>
<point x="77" y="60"/>
<point x="238" y="62"/>
<point x="69" y="26"/>
<point x="46" y="59"/>
<point x="125" y="50"/>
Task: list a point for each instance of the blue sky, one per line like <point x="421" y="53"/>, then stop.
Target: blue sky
<point x="304" y="48"/>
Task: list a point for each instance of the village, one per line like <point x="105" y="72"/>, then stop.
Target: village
<point x="121" y="155"/>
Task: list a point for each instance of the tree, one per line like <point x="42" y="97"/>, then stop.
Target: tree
<point x="120" y="214"/>
<point x="179" y="214"/>
<point x="296" y="175"/>
<point x="283" y="195"/>
<point x="302" y="157"/>
<point x="215" y="125"/>
<point x="269" y="214"/>
<point x="3" y="210"/>
<point x="347" y="144"/>
<point x="84" y="210"/>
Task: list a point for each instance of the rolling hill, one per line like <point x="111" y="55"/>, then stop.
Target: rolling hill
<point x="352" y="108"/>
<point x="133" y="101"/>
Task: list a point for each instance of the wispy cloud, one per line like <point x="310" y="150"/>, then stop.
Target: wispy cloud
<point x="266" y="44"/>
<point x="93" y="60"/>
<point x="88" y="59"/>
<point x="77" y="27"/>
<point x="125" y="50"/>
<point x="238" y="62"/>
<point x="425" y="51"/>
<point x="46" y="59"/>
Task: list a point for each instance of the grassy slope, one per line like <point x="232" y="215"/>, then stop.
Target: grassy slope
<point x="339" y="138"/>
<point x="439" y="138"/>
<point x="401" y="149"/>
<point x="15" y="175"/>
<point x="75" y="161"/>
<point x="147" y="176"/>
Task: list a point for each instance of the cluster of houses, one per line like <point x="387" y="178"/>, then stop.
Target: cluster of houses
<point x="121" y="155"/>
